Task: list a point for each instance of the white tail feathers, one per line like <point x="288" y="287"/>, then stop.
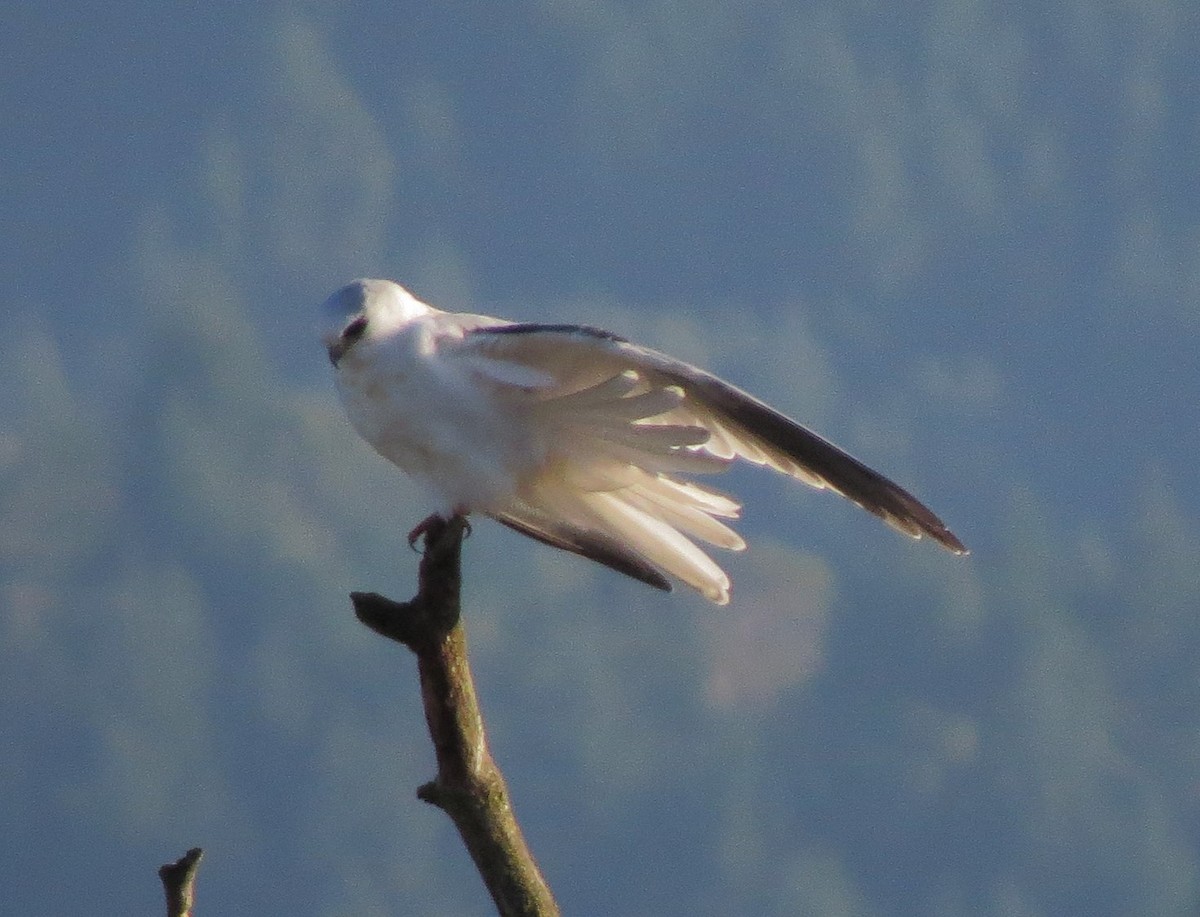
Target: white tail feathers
<point x="661" y="544"/>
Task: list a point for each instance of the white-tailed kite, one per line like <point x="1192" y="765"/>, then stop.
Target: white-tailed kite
<point x="577" y="437"/>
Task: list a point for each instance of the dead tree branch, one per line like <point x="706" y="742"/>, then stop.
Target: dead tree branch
<point x="469" y="786"/>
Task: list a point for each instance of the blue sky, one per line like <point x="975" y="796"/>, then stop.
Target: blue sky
<point x="960" y="239"/>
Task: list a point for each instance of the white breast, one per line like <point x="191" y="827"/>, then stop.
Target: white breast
<point x="435" y="419"/>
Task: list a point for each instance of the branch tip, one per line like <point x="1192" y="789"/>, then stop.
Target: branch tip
<point x="179" y="882"/>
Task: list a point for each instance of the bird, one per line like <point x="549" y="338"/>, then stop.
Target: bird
<point x="577" y="437"/>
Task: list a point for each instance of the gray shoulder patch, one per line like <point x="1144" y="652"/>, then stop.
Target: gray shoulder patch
<point x="539" y="328"/>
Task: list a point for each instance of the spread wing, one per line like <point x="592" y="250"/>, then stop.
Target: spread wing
<point x="619" y="423"/>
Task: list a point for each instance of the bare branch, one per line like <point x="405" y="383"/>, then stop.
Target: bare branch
<point x="469" y="786"/>
<point x="179" y="883"/>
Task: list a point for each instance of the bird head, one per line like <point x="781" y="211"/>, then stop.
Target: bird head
<point x="366" y="309"/>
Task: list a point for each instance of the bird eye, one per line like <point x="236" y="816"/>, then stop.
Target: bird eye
<point x="354" y="330"/>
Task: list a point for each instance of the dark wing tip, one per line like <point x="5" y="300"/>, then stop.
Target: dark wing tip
<point x="946" y="538"/>
<point x="894" y="505"/>
<point x="948" y="541"/>
<point x="778" y="433"/>
<point x="841" y="471"/>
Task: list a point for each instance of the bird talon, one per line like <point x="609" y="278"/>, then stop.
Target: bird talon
<point x="431" y="526"/>
<point x="423" y="528"/>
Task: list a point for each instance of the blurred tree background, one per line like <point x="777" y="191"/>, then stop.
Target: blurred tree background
<point x="962" y="239"/>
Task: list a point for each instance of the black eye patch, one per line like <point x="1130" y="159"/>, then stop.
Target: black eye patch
<point x="354" y="330"/>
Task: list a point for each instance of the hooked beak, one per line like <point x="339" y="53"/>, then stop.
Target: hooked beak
<point x="335" y="346"/>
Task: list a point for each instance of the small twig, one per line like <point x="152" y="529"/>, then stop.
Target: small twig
<point x="179" y="883"/>
<point x="469" y="786"/>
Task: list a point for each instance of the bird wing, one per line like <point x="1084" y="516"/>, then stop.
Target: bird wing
<point x="572" y="367"/>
